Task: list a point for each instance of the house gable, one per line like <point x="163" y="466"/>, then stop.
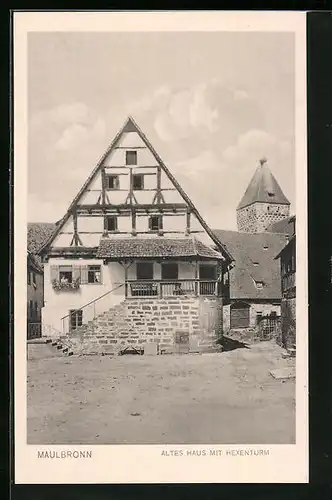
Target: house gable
<point x="129" y="193"/>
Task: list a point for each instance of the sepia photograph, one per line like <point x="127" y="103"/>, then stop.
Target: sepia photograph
<point x="161" y="207"/>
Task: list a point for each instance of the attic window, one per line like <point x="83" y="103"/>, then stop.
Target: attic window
<point x="265" y="247"/>
<point x="131" y="157"/>
<point x="259" y="284"/>
<point x="255" y="264"/>
<point x="138" y="182"/>
<point x="155" y="223"/>
<point x="112" y="223"/>
<point x="112" y="182"/>
<point x="270" y="194"/>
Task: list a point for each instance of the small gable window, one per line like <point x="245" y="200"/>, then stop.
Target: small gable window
<point x="255" y="264"/>
<point x="259" y="284"/>
<point x="131" y="157"/>
<point x="138" y="182"/>
<point x="112" y="223"/>
<point x="155" y="222"/>
<point x="112" y="182"/>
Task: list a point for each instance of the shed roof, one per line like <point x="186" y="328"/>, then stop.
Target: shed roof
<point x="159" y="247"/>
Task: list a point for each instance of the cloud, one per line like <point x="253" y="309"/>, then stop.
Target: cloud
<point x="253" y="145"/>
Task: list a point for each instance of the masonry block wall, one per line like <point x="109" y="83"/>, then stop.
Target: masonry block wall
<point x="137" y="321"/>
<point x="255" y="308"/>
<point x="288" y="322"/>
<point x="257" y="217"/>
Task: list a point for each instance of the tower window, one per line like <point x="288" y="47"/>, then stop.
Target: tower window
<point x="112" y="223"/>
<point x="112" y="182"/>
<point x="155" y="222"/>
<point x="138" y="182"/>
<point x="131" y="157"/>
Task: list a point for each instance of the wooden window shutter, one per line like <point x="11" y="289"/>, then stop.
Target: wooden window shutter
<point x="84" y="274"/>
<point x="150" y="223"/>
<point x="160" y="222"/>
<point x="76" y="272"/>
<point x="54" y="273"/>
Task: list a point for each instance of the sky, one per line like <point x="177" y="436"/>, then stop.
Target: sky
<point x="211" y="103"/>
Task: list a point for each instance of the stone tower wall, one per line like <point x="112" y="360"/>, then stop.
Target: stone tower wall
<point x="257" y="217"/>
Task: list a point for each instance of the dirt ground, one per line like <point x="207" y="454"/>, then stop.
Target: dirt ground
<point x="222" y="398"/>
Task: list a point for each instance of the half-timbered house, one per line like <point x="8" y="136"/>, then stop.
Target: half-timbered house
<point x="132" y="260"/>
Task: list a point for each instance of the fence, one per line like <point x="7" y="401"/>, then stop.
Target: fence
<point x="268" y="326"/>
<point x="34" y="330"/>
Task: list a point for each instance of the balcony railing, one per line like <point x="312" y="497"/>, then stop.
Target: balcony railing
<point x="163" y="288"/>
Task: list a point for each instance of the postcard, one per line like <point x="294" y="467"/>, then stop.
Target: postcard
<point x="160" y="222"/>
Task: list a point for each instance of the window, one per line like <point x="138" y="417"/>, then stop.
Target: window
<point x="36" y="310"/>
<point x="112" y="223"/>
<point x="207" y="272"/>
<point x="34" y="278"/>
<point x="138" y="182"/>
<point x="155" y="222"/>
<point x="65" y="274"/>
<point x="29" y="277"/>
<point x="112" y="182"/>
<point x="259" y="284"/>
<point x="94" y="274"/>
<point x="255" y="264"/>
<point x="144" y="270"/>
<point x="131" y="157"/>
<point x="169" y="271"/>
<point x="76" y="318"/>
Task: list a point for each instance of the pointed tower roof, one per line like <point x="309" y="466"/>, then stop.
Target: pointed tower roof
<point x="263" y="188"/>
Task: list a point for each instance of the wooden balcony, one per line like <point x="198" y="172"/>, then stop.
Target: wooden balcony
<point x="171" y="288"/>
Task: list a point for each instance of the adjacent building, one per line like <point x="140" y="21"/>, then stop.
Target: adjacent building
<point x="132" y="261"/>
<point x="287" y="261"/>
<point x="263" y="226"/>
<point x="37" y="233"/>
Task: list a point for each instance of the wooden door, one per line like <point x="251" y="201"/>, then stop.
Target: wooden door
<point x="240" y="315"/>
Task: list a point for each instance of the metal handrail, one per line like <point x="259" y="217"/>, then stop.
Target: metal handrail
<point x="94" y="300"/>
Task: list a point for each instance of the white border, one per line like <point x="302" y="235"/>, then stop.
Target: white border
<point x="144" y="464"/>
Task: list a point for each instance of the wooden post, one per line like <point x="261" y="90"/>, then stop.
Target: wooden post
<point x="196" y="278"/>
<point x="103" y="186"/>
<point x="188" y="222"/>
<point x="77" y="239"/>
<point x="133" y="221"/>
<point x="126" y="265"/>
<point x="105" y="225"/>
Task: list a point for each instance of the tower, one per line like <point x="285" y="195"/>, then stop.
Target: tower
<point x="263" y="202"/>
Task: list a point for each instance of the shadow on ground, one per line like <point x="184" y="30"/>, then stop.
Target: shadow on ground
<point x="229" y="344"/>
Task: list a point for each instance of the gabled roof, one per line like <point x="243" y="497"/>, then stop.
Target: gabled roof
<point x="263" y="188"/>
<point x="285" y="226"/>
<point x="254" y="261"/>
<point x="129" y="126"/>
<point x="159" y="247"/>
<point x="37" y="234"/>
<point x="34" y="264"/>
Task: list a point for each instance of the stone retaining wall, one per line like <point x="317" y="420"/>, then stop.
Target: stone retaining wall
<point x="137" y="321"/>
